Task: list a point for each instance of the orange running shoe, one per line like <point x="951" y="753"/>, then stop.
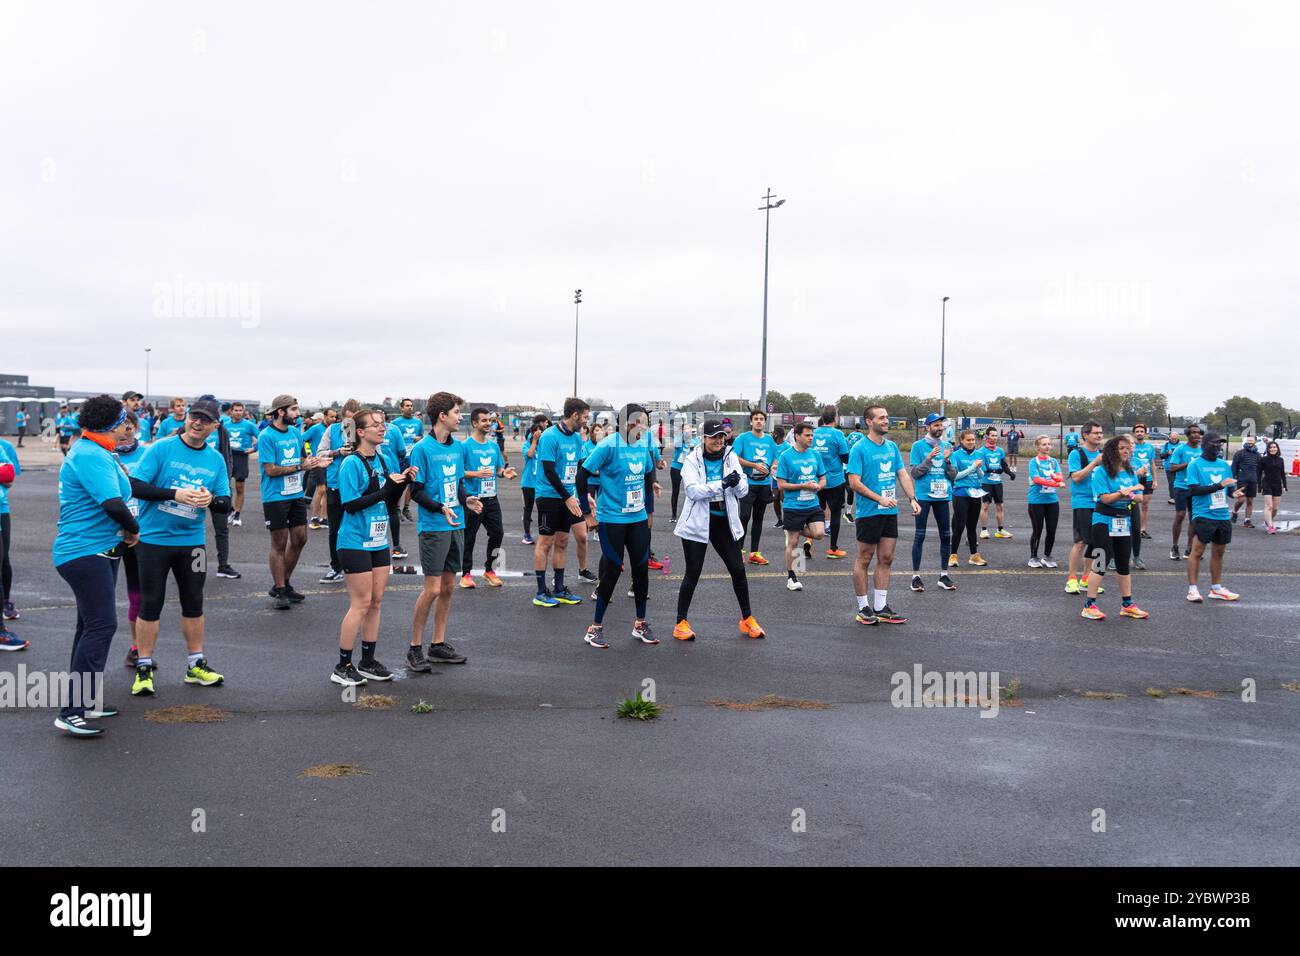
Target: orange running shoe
<point x="836" y="553"/>
<point x="683" y="631"/>
<point x="656" y="564"/>
<point x="491" y="578"/>
<point x="467" y="582"/>
<point x="1134" y="611"/>
<point x="1092" y="613"/>
<point x="749" y="627"/>
<point x="756" y="557"/>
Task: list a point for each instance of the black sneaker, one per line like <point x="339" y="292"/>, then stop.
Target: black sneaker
<point x="347" y="675"/>
<point x="226" y="571"/>
<point x="281" y="599"/>
<point x="132" y="656"/>
<point x="1187" y="552"/>
<point x="946" y="583"/>
<point x="374" y="670"/>
<point x="587" y="576"/>
<point x="399" y="554"/>
<point x="406" y="513"/>
<point x="77" y="726"/>
<point x="887" y="615"/>
<point x="917" y="585"/>
<point x="1234" y="517"/>
<point x="415" y="660"/>
<point x="444" y="654"/>
<point x="1146" y="536"/>
<point x="293" y="595"/>
<point x="1173" y="553"/>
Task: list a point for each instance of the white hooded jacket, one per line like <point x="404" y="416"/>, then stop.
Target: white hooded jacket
<point x="693" y="525"/>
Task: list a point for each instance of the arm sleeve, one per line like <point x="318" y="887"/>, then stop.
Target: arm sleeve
<point x="420" y="495"/>
<point x="583" y="475"/>
<point x="1195" y="490"/>
<point x="147" y="492"/>
<point x="553" y="477"/>
<point x="116" y="509"/>
<point x="966" y="472"/>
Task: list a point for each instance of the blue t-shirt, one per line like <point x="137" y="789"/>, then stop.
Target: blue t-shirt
<point x="962" y="460"/>
<point x="1214" y="506"/>
<point x="1144" y="453"/>
<point x="392" y="450"/>
<point x="131" y="462"/>
<point x="1181" y="455"/>
<point x="1043" y="468"/>
<point x="482" y="456"/>
<point x="441" y="468"/>
<point x="337" y="441"/>
<point x="20" y="418"/>
<point x="529" y="478"/>
<point x="993" y="458"/>
<point x="311" y="437"/>
<point x="623" y="469"/>
<point x="713" y="472"/>
<point x="683" y="449"/>
<point x="174" y="464"/>
<point x="412" y="428"/>
<point x="366" y="530"/>
<point x="144" y="431"/>
<point x="877" y="467"/>
<point x="243" y="436"/>
<point x="588" y="446"/>
<point x="751" y="447"/>
<point x="829" y="442"/>
<point x="797" y="467"/>
<point x="168" y="426"/>
<point x="10" y="454"/>
<point x="281" y="448"/>
<point x="853" y="437"/>
<point x="1071" y="440"/>
<point x="934" y="484"/>
<point x="1081" y="495"/>
<point x="1104" y="484"/>
<point x="88" y="477"/>
<point x="67" y="425"/>
<point x="565" y="450"/>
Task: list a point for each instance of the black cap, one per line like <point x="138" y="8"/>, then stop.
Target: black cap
<point x="714" y="427"/>
<point x="1213" y="438"/>
<point x="205" y="408"/>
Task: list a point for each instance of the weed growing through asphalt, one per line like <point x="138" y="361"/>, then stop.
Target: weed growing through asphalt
<point x="422" y="706"/>
<point x="638" y="708"/>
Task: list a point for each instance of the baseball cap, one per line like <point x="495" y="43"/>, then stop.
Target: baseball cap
<point x="205" y="408"/>
<point x="934" y="417"/>
<point x="1212" y="438"/>
<point x="714" y="427"/>
<point x="282" y="401"/>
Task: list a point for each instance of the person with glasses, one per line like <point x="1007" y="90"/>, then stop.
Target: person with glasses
<point x="1083" y="461"/>
<point x="1179" y="459"/>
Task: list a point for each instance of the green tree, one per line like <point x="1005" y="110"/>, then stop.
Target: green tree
<point x="703" y="403"/>
<point x="777" y="401"/>
<point x="803" y="401"/>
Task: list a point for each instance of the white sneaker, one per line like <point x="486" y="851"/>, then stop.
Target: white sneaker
<point x="793" y="585"/>
<point x="1035" y="563"/>
<point x="1223" y="594"/>
<point x="1048" y="563"/>
<point x="984" y="533"/>
<point x="1194" y="596"/>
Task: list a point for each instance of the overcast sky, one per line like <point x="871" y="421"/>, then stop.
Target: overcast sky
<point x="405" y="195"/>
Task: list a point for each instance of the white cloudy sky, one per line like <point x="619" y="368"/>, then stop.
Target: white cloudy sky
<point x="1108" y="192"/>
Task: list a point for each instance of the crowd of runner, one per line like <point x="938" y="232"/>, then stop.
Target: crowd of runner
<point x="139" y="495"/>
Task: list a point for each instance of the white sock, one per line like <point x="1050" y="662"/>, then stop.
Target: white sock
<point x="863" y="601"/>
<point x="1191" y="588"/>
<point x="881" y="599"/>
<point x="1216" y="587"/>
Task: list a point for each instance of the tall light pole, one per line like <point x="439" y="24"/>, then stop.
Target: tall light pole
<point x="943" y="337"/>
<point x="577" y="302"/>
<point x="146" y="374"/>
<point x="766" y="210"/>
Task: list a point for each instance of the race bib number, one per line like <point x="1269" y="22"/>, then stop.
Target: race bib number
<point x="1219" y="499"/>
<point x="188" y="512"/>
<point x="449" y="493"/>
<point x="976" y="492"/>
<point x="889" y="491"/>
<point x="570" y="473"/>
<point x="292" y="484"/>
<point x="635" y="500"/>
<point x="806" y="495"/>
<point x="133" y="506"/>
<point x="487" y="488"/>
<point x="938" y="487"/>
<point x="378" y="534"/>
<point x="1119" y="527"/>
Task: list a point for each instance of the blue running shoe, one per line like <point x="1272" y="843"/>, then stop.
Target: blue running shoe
<point x="545" y="599"/>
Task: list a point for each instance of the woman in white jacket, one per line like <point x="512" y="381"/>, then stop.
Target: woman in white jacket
<point x="714" y="484"/>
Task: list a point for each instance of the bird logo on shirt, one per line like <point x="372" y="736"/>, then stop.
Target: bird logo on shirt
<point x="449" y="470"/>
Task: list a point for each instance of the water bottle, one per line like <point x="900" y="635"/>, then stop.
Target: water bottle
<point x="667" y="563"/>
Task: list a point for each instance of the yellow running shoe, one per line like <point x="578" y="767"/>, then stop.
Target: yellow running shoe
<point x="976" y="560"/>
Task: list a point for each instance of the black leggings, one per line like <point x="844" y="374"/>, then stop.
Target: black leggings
<point x="752" y="509"/>
<point x="728" y="549"/>
<point x="395" y="521"/>
<point x="615" y="538"/>
<point x="833" y="499"/>
<point x="965" y="515"/>
<point x="1103" y="548"/>
<point x="334" y="511"/>
<point x="1040" y="515"/>
<point x="677" y="487"/>
<point x="1135" y="530"/>
<point x="530" y="495"/>
<point x="187" y="564"/>
<point x="6" y="571"/>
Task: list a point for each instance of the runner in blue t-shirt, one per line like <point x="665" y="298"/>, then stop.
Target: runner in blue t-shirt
<point x="1113" y="487"/>
<point x="1045" y="483"/>
<point x="528" y="479"/>
<point x="559" y="512"/>
<point x="1176" y="466"/>
<point x="1210" y="484"/>
<point x="243" y="444"/>
<point x="967" y="496"/>
<point x="830" y="444"/>
<point x="1145" y="455"/>
<point x="800" y="475"/>
<point x="930" y="463"/>
<point x="1080" y="465"/>
<point x="283" y="467"/>
<point x="757" y="453"/>
<point x="485" y="465"/>
<point x="996" y="464"/>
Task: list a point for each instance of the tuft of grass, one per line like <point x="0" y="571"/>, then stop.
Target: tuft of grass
<point x="1155" y="692"/>
<point x="1292" y="686"/>
<point x="186" y="714"/>
<point x="1011" y="690"/>
<point x="1101" y="694"/>
<point x="422" y="706"/>
<point x="771" y="702"/>
<point x="1188" y="692"/>
<point x="638" y="708"/>
<point x="375" y="701"/>
<point x="329" y="771"/>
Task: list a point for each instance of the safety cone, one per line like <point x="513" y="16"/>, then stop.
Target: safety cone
<point x="1295" y="464"/>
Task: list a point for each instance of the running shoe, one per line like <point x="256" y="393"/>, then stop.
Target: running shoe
<point x="236" y="521"/>
<point x="415" y="660"/>
<point x="565" y="596"/>
<point x="527" y="539"/>
<point x="953" y="561"/>
<point x="756" y="557"/>
<point x="594" y="637"/>
<point x="1223" y="594"/>
<point x="1139" y="564"/>
<point x="9" y="641"/>
<point x="143" y="684"/>
<point x="1187" y="552"/>
<point x="105" y="711"/>
<point x="77" y="726"/>
<point x="1173" y="553"/>
<point x="1146" y="536"/>
<point x="917" y="583"/>
<point x="313" y="524"/>
<point x="1072" y="586"/>
<point x="1272" y="529"/>
<point x="226" y="571"/>
<point x="793" y="584"/>
<point x="977" y="560"/>
<point x="749" y="627"/>
<point x="778" y="526"/>
<point x="11" y="612"/>
<point x="1092" y="613"/>
<point x="1035" y="563"/>
<point x="865" y="616"/>
<point x="293" y="596"/>
<point x="1171" y="501"/>
<point x="655" y="565"/>
<point x="1110" y="565"/>
<point x="643" y="633"/>
<point x="332" y="577"/>
<point x="400" y="554"/>
<point x="132" y="656"/>
<point x="545" y="599"/>
<point x="444" y="653"/>
<point x="984" y="533"/>
<point x="200" y="673"/>
<point x="1003" y="533"/>
<point x="374" y="670"/>
<point x="1234" y="517"/>
<point x="324" y="522"/>
<point x="347" y="675"/>
<point x="466" y="581"/>
<point x="281" y="599"/>
<point x="1194" y="596"/>
<point x="947" y="583"/>
<point x="588" y="577"/>
<point x="1133" y="611"/>
<point x="1049" y="563"/>
<point x="807" y="548"/>
<point x="1248" y="523"/>
<point x="835" y="553"/>
<point x="492" y="580"/>
<point x="887" y="615"/>
<point x="682" y="631"/>
<point x="406" y="512"/>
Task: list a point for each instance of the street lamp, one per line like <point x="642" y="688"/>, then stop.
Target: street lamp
<point x="943" y="336"/>
<point x="766" y="210"/>
<point x="146" y="374"/>
<point x="577" y="301"/>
